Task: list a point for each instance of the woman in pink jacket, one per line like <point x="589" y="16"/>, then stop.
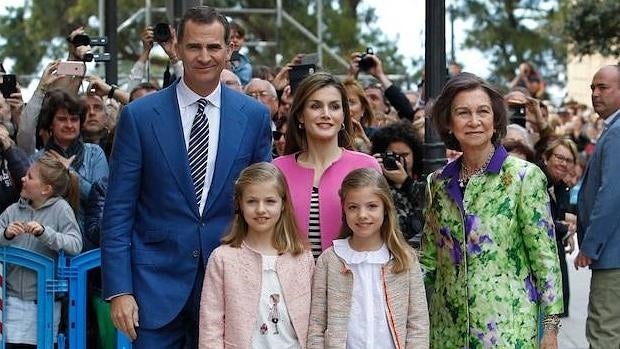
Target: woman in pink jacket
<point x="256" y="291"/>
<point x="318" y="157"/>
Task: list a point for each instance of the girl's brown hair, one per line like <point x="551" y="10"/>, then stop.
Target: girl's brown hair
<point x="296" y="134"/>
<point x="286" y="237"/>
<point x="390" y="231"/>
<point x="64" y="183"/>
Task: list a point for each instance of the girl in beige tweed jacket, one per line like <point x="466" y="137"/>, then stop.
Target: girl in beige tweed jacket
<point x="256" y="291"/>
<point x="370" y="262"/>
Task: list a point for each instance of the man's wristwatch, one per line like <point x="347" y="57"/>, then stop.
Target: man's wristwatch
<point x="112" y="89"/>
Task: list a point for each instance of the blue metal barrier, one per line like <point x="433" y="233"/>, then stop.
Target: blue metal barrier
<point x="47" y="287"/>
<point x="72" y="278"/>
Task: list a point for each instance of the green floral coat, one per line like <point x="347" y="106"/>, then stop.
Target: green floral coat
<point x="489" y="256"/>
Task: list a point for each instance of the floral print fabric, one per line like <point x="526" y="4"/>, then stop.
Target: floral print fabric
<point x="489" y="256"/>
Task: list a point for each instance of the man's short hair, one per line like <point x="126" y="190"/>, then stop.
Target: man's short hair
<point x="206" y="15"/>
<point x="149" y="86"/>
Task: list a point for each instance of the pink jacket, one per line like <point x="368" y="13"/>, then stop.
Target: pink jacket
<point x="300" y="185"/>
<point x="231" y="292"/>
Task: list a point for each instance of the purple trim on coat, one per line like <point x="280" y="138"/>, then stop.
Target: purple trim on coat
<point x="451" y="172"/>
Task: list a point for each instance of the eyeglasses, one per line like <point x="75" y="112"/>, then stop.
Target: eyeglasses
<point x="259" y="94"/>
<point x="558" y="157"/>
<point x="277" y="135"/>
<point x="232" y="83"/>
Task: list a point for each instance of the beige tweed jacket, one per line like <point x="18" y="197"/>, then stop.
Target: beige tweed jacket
<point x="332" y="286"/>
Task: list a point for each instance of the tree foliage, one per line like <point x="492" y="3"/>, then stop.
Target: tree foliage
<point x="513" y="31"/>
<point x="39" y="31"/>
<point x="592" y="26"/>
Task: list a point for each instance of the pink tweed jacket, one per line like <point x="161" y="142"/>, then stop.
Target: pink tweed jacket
<point x="231" y="292"/>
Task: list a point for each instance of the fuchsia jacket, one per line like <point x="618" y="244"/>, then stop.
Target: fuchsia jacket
<point x="300" y="186"/>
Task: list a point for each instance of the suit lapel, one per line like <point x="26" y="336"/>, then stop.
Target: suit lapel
<point x="594" y="157"/>
<point x="169" y="135"/>
<point x="232" y="129"/>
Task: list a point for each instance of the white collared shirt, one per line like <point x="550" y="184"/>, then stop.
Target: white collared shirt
<point x="188" y="107"/>
<point x="368" y="323"/>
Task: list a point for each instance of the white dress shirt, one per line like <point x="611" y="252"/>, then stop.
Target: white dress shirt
<point x="188" y="107"/>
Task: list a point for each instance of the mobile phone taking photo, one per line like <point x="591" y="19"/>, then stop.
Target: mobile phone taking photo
<point x="298" y="73"/>
<point x="8" y="85"/>
<point x="73" y="68"/>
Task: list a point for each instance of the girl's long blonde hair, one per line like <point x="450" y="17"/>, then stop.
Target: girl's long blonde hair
<point x="286" y="237"/>
<point x="390" y="231"/>
<point x="64" y="182"/>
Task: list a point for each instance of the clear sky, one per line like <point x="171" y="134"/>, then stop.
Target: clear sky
<point x="405" y="20"/>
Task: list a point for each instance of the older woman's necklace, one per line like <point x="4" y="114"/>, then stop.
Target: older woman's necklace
<point x="468" y="172"/>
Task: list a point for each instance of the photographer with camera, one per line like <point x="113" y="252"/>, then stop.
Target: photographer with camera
<point x="166" y="36"/>
<point x="370" y="63"/>
<point x="79" y="46"/>
<point x="526" y="111"/>
<point x="13" y="166"/>
<point x="29" y="139"/>
<point x="399" y="153"/>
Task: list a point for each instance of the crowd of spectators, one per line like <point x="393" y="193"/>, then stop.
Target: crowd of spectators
<point x="76" y="126"/>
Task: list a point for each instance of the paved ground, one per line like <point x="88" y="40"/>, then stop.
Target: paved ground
<point x="573" y="331"/>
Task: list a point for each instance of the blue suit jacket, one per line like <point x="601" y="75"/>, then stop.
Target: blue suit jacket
<point x="598" y="221"/>
<point x="153" y="234"/>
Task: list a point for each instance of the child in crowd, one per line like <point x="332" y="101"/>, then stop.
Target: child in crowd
<point x="256" y="291"/>
<point x="41" y="221"/>
<point x="368" y="290"/>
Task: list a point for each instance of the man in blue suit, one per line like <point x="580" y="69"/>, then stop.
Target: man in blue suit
<point x="161" y="221"/>
<point x="598" y="222"/>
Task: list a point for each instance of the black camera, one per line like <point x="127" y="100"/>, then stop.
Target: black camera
<point x="85" y="40"/>
<point x="161" y="32"/>
<point x="366" y="62"/>
<point x="517" y="114"/>
<point x="391" y="160"/>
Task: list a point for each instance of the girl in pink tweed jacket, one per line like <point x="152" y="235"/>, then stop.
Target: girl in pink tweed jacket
<point x="368" y="290"/>
<point x="256" y="291"/>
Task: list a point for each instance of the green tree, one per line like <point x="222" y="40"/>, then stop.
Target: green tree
<point x="513" y="31"/>
<point x="592" y="26"/>
<point x="39" y="31"/>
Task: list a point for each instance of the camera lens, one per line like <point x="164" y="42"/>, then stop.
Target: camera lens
<point x="88" y="56"/>
<point x="366" y="62"/>
<point x="161" y="32"/>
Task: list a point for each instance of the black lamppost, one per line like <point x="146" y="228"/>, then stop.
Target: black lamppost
<point x="434" y="78"/>
<point x="452" y="17"/>
<point x="110" y="25"/>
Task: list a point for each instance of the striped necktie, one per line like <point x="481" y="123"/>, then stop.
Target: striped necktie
<point x="198" y="148"/>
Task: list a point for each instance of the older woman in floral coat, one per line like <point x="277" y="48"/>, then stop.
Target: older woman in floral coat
<point x="488" y="249"/>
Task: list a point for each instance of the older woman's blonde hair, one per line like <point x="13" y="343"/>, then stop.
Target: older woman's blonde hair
<point x="562" y="141"/>
<point x="353" y="86"/>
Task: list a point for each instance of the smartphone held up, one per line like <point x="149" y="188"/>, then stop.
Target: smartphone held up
<point x="8" y="85"/>
<point x="72" y="68"/>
